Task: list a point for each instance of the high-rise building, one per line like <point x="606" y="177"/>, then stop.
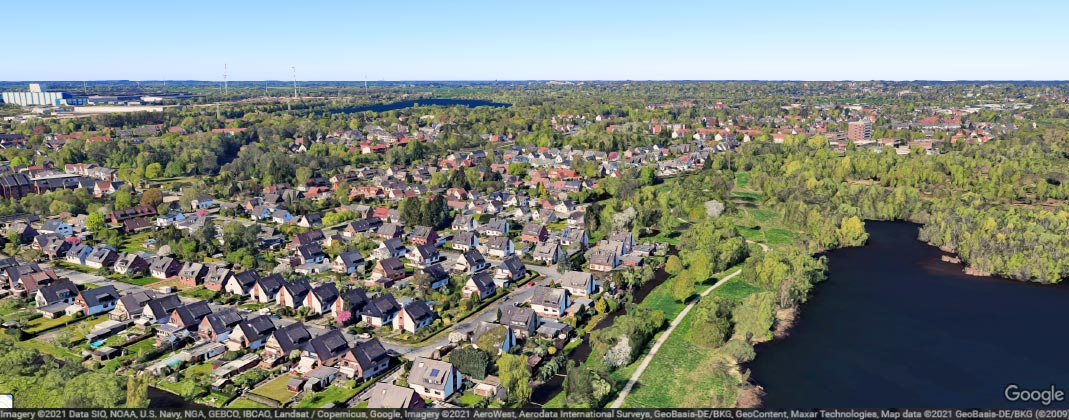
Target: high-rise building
<point x="859" y="130"/>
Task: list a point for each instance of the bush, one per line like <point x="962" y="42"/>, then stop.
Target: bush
<point x="470" y="361"/>
<point x="740" y="350"/>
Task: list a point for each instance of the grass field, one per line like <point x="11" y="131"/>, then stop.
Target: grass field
<point x="742" y="179"/>
<point x="332" y="394"/>
<point x="469" y="399"/>
<point x="275" y="389"/>
<point x="140" y="281"/>
<point x="50" y="349"/>
<point x="735" y="289"/>
<point x="676" y="368"/>
<point x="198" y="292"/>
<point x="244" y="403"/>
<point x="41" y="324"/>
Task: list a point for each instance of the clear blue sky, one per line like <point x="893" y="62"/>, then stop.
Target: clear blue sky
<point x="544" y="39"/>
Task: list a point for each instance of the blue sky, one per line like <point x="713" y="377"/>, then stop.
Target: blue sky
<point x="545" y="39"/>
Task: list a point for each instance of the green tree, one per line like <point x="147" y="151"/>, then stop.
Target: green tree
<point x="673" y="266"/>
<point x="94" y="221"/>
<point x="152" y="171"/>
<point x="512" y="369"/>
<point x="682" y="286"/>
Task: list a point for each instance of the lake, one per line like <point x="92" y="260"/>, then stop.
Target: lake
<point x="470" y="103"/>
<point x="896" y="327"/>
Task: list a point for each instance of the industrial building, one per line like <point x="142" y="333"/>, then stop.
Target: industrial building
<point x="38" y="97"/>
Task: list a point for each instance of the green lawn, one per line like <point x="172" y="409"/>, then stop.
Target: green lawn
<point x="332" y="394"/>
<point x="682" y="365"/>
<point x="469" y="399"/>
<point x="742" y="179"/>
<point x="276" y="389"/>
<point x="198" y="292"/>
<point x="762" y="215"/>
<point x="215" y="399"/>
<point x="51" y="350"/>
<point x="42" y="323"/>
<point x="769" y="236"/>
<point x="244" y="403"/>
<point x="180" y="388"/>
<point x="660" y="298"/>
<point x="556" y="402"/>
<point x="735" y="289"/>
<point x="140" y="281"/>
<point x="746" y="196"/>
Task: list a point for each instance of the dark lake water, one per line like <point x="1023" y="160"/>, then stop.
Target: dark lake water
<point x="470" y="103"/>
<point x="896" y="327"/>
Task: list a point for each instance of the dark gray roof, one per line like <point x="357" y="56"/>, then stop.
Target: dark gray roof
<point x="382" y="306"/>
<point x="356" y="299"/>
<point x="351" y="258"/>
<point x="223" y="320"/>
<point x="329" y="345"/>
<point x="419" y="310"/>
<point x="59" y="291"/>
<point x="292" y="337"/>
<point x="100" y="295"/>
<point x="326" y="293"/>
<point x="369" y="353"/>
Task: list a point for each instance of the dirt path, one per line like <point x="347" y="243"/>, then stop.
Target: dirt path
<point x="664" y="337"/>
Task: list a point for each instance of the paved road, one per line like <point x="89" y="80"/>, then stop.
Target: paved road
<point x="664" y="337"/>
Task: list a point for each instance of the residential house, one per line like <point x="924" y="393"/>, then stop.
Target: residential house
<point x="169" y="218"/>
<point x="348" y="262"/>
<point x="603" y="259"/>
<point x="523" y="321"/>
<point x="626" y="238"/>
<point x="504" y="344"/>
<point x="389" y="270"/>
<point x="534" y="233"/>
<point x="312" y="237"/>
<point x="131" y="265"/>
<point x="98" y="300"/>
<point x="464" y="222"/>
<point x="550" y="302"/>
<point x="241" y="284"/>
<point x="423" y="235"/>
<point x="203" y="201"/>
<point x="251" y="334"/>
<point x="188" y="317"/>
<point x="434" y="379"/>
<point x="364" y="360"/>
<point x="578" y="283"/>
<point x="511" y="269"/>
<point x="321" y="298"/>
<point x="423" y="255"/>
<point x="265" y="290"/>
<point x="158" y="310"/>
<point x="217" y="277"/>
<point x="56" y="226"/>
<point x="192" y="274"/>
<point x="413" y="316"/>
<point x="217" y="327"/>
<point x="310" y="254"/>
<point x="56" y="247"/>
<point x="354" y="228"/>
<point x="326" y="349"/>
<point x="53" y="300"/>
<point x="102" y="256"/>
<point x="380" y="311"/>
<point x="437" y="277"/>
<point x="479" y="286"/>
<point x="349" y="305"/>
<point x="164" y="267"/>
<point x="390" y="248"/>
<point x="495" y="227"/>
<point x="499" y="246"/>
<point x="77" y="254"/>
<point x="390" y="231"/>
<point x="292" y="294"/>
<point x="310" y="220"/>
<point x="465" y="241"/>
<point x="575" y="236"/>
<point x="548" y="252"/>
<point x="132" y="305"/>
<point x="384" y="395"/>
<point x="284" y="341"/>
<point x="471" y="262"/>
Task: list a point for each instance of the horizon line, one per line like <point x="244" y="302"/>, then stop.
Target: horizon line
<point x="544" y="80"/>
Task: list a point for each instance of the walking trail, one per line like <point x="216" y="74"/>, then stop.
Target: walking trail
<point x="664" y="337"/>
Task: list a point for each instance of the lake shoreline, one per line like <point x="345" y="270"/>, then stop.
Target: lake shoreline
<point x="896" y="326"/>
